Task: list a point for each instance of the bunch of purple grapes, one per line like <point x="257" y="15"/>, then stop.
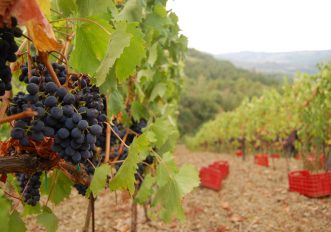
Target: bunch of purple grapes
<point x="8" y="47"/>
<point x="73" y="117"/>
<point x="29" y="187"/>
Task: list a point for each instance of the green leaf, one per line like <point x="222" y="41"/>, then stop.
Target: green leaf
<point x="59" y="187"/>
<point x="152" y="55"/>
<point x="120" y="39"/>
<point x="124" y="178"/>
<point x="160" y="10"/>
<point x="90" y="45"/>
<point x="66" y="7"/>
<point x="138" y="111"/>
<point x="29" y="210"/>
<point x="99" y="179"/>
<point x="145" y="190"/>
<point x="162" y="130"/>
<point x="94" y="7"/>
<point x="16" y="223"/>
<point x="132" y="11"/>
<point x="48" y="219"/>
<point x="165" y="169"/>
<point x="187" y="179"/>
<point x="115" y="103"/>
<point x="169" y="198"/>
<point x="132" y="55"/>
<point x="158" y="91"/>
<point x="5" y="207"/>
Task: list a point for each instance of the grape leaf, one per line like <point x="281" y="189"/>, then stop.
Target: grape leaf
<point x="48" y="219"/>
<point x="187" y="179"/>
<point x="132" y="11"/>
<point x="125" y="178"/>
<point x="162" y="130"/>
<point x="40" y="31"/>
<point x="146" y="189"/>
<point x="66" y="7"/>
<point x="160" y="10"/>
<point x="4" y="213"/>
<point x="16" y="223"/>
<point x="132" y="55"/>
<point x="94" y="7"/>
<point x="152" y="57"/>
<point x="138" y="111"/>
<point x="98" y="182"/>
<point x="120" y="39"/>
<point x="91" y="42"/>
<point x="116" y="102"/>
<point x="158" y="91"/>
<point x="59" y="187"/>
<point x="28" y="209"/>
<point x="166" y="168"/>
<point x="169" y="198"/>
<point x="45" y="6"/>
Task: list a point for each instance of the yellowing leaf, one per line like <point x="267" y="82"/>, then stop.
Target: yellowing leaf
<point x="40" y="31"/>
<point x="45" y="6"/>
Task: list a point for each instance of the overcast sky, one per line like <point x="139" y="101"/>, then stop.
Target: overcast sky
<point x="221" y="26"/>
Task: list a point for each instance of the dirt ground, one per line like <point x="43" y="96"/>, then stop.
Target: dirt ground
<point x="252" y="198"/>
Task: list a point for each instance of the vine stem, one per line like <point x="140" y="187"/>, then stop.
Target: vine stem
<point x="44" y="58"/>
<point x="29" y="60"/>
<point x="120" y="150"/>
<point x="83" y="19"/>
<point x="28" y="113"/>
<point x="88" y="216"/>
<point x="93" y="212"/>
<point x="134" y="216"/>
<point x="10" y="195"/>
<point x="108" y="135"/>
<point x="119" y="137"/>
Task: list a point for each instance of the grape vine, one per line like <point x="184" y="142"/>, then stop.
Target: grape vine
<point x="93" y="104"/>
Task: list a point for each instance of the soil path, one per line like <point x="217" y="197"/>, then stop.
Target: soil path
<point x="252" y="198"/>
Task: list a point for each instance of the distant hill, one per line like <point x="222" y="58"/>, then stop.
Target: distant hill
<point x="212" y="86"/>
<point x="287" y="63"/>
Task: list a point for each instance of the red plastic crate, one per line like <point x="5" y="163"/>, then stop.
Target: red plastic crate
<point x="308" y="184"/>
<point x="222" y="166"/>
<point x="275" y="156"/>
<point x="239" y="153"/>
<point x="262" y="160"/>
<point x="210" y="178"/>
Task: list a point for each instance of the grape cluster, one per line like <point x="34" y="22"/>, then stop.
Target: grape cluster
<point x="8" y="47"/>
<point x="29" y="187"/>
<point x="74" y="117"/>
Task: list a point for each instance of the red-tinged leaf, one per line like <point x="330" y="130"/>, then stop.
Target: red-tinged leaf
<point x="6" y="7"/>
<point x="28" y="13"/>
<point x="3" y="178"/>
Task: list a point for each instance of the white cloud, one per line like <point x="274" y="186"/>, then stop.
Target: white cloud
<point x="219" y="26"/>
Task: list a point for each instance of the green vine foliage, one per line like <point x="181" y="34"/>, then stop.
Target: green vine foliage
<point x="133" y="50"/>
<point x="266" y="122"/>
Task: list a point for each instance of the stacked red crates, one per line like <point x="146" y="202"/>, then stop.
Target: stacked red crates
<point x="213" y="175"/>
<point x="310" y="184"/>
<point x="262" y="160"/>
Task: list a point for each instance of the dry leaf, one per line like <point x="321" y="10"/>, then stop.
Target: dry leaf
<point x="226" y="206"/>
<point x="222" y="229"/>
<point x="29" y="14"/>
<point x="236" y="218"/>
